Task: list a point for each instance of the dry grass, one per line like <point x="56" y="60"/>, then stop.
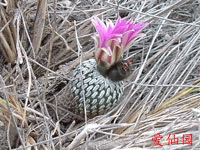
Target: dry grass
<point x="43" y="42"/>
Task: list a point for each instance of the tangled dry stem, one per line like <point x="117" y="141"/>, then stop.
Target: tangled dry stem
<point x="161" y="96"/>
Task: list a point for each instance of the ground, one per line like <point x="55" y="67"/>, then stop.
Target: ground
<point x="161" y="95"/>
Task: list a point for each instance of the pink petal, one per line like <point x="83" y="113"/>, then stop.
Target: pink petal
<point x="138" y="27"/>
<point x="99" y="25"/>
<point x="101" y="28"/>
<point x="110" y="25"/>
<point x="120" y="27"/>
<point x="97" y="40"/>
<point x="117" y="53"/>
<point x="113" y="40"/>
<point x="104" y="57"/>
<point x="131" y="43"/>
<point x="125" y="39"/>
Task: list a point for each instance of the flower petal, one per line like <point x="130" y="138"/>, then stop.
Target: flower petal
<point x="113" y="40"/>
<point x="110" y="25"/>
<point x="120" y="27"/>
<point x="116" y="51"/>
<point x="97" y="40"/>
<point x="138" y="27"/>
<point x="99" y="25"/>
<point x="117" y="54"/>
<point x="101" y="28"/>
<point x="131" y="43"/>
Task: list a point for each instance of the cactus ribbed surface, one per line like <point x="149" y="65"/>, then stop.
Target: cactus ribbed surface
<point x="100" y="93"/>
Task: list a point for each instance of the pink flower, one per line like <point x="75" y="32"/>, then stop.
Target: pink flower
<point x="113" y="40"/>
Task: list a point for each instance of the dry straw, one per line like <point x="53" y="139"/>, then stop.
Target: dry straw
<point x="44" y="40"/>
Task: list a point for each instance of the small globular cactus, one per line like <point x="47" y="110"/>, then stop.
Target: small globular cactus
<point x="98" y="83"/>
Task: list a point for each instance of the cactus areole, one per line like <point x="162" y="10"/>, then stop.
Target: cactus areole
<point x="100" y="84"/>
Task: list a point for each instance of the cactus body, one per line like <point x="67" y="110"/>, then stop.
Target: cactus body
<point x="99" y="92"/>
